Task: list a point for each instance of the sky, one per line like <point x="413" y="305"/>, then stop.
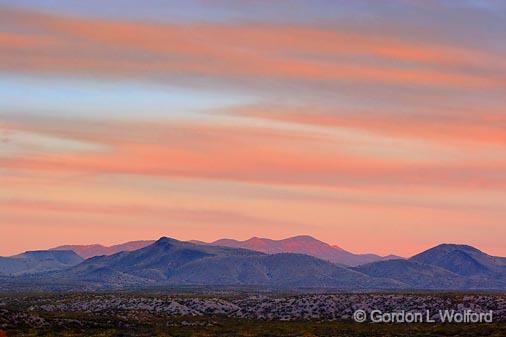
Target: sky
<point x="377" y="126"/>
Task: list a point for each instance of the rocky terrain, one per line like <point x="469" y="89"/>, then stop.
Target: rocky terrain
<point x="239" y="314"/>
<point x="264" y="307"/>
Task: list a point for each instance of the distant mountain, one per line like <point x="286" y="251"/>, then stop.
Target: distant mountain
<point x="87" y="251"/>
<point x="446" y="266"/>
<point x="38" y="261"/>
<point x="171" y="262"/>
<point x="304" y="245"/>
<point x="463" y="260"/>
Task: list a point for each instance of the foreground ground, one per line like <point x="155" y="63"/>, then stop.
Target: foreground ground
<point x="139" y="314"/>
<point x="249" y="328"/>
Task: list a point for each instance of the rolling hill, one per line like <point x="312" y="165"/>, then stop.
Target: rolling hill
<point x="463" y="260"/>
<point x="38" y="261"/>
<point x="447" y="266"/>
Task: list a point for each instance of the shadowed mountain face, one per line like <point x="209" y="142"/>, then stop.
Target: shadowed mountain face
<point x="87" y="251"/>
<point x="303" y="245"/>
<point x="414" y="274"/>
<point x="38" y="261"/>
<point x="172" y="262"/>
<point x="446" y="266"/>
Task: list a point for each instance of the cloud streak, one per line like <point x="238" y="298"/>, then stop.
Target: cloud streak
<point x="251" y="154"/>
<point x="51" y="44"/>
<point x="445" y="125"/>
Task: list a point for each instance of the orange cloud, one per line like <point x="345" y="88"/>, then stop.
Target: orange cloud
<point x="247" y="52"/>
<point x="435" y="161"/>
<point x="123" y="210"/>
<point x="23" y="42"/>
<point x="249" y="154"/>
<point x="465" y="125"/>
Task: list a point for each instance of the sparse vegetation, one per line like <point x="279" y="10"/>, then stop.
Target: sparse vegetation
<point x="156" y="314"/>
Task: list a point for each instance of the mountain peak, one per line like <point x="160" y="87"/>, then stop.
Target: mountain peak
<point x="165" y="240"/>
<point x="254" y="238"/>
<point x="455" y="246"/>
<point x="445" y="249"/>
<point x="303" y="238"/>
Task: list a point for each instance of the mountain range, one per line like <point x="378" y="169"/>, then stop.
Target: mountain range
<point x="303" y="244"/>
<point x="169" y="262"/>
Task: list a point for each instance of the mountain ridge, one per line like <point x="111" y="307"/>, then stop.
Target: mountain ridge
<point x="87" y="251"/>
<point x="303" y="244"/>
